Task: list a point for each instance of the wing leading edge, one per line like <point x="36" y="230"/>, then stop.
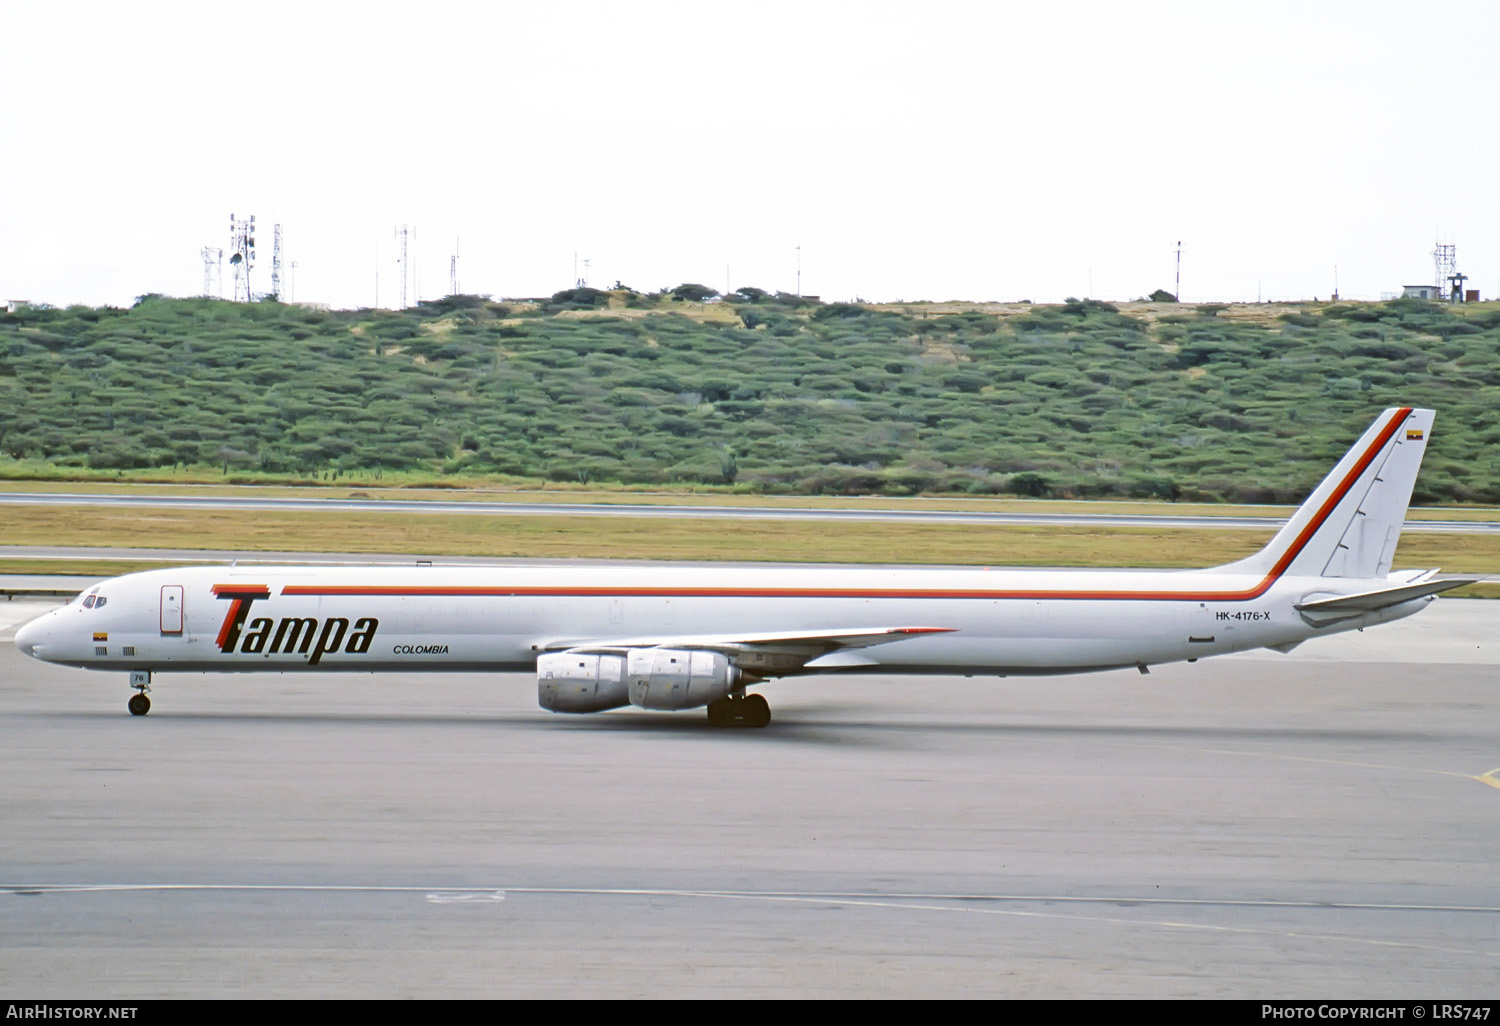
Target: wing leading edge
<point x="789" y="643"/>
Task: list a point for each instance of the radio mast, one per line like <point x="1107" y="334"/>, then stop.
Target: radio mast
<point x="1445" y="259"/>
<point x="276" y="264"/>
<point x="404" y="233"/>
<point x="213" y="272"/>
<point x="242" y="255"/>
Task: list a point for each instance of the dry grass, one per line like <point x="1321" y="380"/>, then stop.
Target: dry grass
<point x="693" y="539"/>
<point x="624" y="537"/>
<point x="704" y="313"/>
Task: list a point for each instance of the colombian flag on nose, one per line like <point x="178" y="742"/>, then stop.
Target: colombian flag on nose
<point x="101" y="635"/>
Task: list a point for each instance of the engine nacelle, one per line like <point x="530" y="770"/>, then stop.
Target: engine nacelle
<point x="580" y="682"/>
<point x="676" y="678"/>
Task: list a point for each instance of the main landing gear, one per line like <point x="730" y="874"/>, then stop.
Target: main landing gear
<point x="139" y="704"/>
<point x="740" y="711"/>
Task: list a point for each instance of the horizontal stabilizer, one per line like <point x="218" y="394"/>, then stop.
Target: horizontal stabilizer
<point x="1369" y="601"/>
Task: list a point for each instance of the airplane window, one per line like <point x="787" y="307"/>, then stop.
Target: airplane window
<point x="100" y="603"/>
<point x="88" y="603"/>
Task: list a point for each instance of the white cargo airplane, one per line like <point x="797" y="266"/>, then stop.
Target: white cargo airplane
<point x="693" y="636"/>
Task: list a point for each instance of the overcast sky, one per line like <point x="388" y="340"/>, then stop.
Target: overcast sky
<point x="922" y="150"/>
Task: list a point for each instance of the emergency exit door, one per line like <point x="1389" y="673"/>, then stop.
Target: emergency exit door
<point x="171" y="609"/>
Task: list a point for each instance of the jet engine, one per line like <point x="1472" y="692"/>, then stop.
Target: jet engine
<point x="676" y="678"/>
<point x="581" y="682"/>
<point x="652" y="678"/>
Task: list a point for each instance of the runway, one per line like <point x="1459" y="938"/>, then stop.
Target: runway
<point x="1317" y="825"/>
<point x="624" y="509"/>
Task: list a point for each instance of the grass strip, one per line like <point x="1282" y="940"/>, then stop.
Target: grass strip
<point x="691" y="539"/>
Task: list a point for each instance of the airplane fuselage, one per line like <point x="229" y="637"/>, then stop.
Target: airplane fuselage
<point x="501" y="618"/>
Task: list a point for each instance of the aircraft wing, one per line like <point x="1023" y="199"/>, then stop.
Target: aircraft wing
<point x="766" y="652"/>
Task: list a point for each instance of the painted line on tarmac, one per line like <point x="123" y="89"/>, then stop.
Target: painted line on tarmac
<point x="451" y="897"/>
<point x="913" y="902"/>
<point x="498" y="893"/>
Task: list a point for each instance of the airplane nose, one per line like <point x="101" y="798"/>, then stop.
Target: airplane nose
<point x="28" y="637"/>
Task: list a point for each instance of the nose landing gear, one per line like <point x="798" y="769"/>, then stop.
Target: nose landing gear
<point x="139" y="704"/>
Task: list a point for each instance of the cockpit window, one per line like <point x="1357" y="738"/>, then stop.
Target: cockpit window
<point x="88" y="603"/>
<point x="100" y="603"/>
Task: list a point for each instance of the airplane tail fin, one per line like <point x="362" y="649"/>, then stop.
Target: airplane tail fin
<point x="1349" y="525"/>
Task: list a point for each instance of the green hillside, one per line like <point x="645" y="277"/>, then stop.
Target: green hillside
<point x="759" y="392"/>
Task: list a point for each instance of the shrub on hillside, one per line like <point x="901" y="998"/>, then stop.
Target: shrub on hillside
<point x="581" y="298"/>
<point x="692" y="292"/>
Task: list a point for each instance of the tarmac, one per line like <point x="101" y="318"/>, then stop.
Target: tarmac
<point x="1316" y="825"/>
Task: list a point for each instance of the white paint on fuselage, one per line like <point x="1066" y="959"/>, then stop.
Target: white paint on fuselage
<point x="424" y="620"/>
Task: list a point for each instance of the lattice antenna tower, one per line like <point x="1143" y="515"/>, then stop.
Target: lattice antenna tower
<point x="213" y="272"/>
<point x="242" y="255"/>
<point x="403" y="235"/>
<point x="1445" y="259"/>
<point x="453" y="270"/>
<point x="276" y="263"/>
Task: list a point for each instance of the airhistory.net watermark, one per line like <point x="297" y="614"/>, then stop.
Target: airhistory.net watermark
<point x="48" y="1010"/>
